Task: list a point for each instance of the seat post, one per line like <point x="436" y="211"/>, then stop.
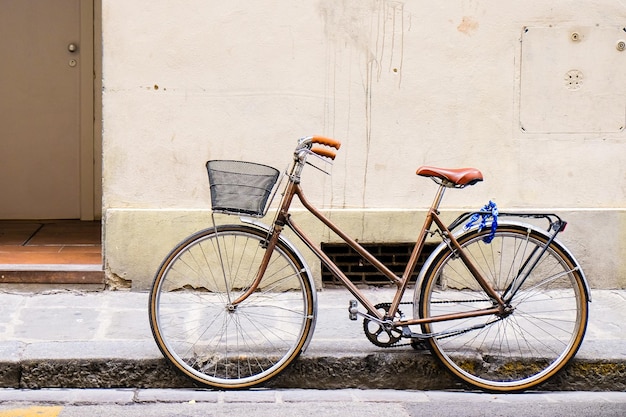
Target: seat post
<point x="438" y="197"/>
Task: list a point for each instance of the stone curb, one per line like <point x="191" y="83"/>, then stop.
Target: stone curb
<point x="398" y="370"/>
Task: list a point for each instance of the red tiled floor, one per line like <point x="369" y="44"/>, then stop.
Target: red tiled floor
<point x="63" y="252"/>
<point x="62" y="242"/>
<point x="17" y="233"/>
<point x="22" y="255"/>
<point x="68" y="233"/>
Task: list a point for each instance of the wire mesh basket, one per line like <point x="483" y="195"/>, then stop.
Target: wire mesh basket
<point x="239" y="187"/>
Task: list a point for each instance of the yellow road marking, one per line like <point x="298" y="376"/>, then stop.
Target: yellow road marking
<point x="33" y="412"/>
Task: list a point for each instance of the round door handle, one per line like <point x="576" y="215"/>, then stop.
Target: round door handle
<point x="72" y="47"/>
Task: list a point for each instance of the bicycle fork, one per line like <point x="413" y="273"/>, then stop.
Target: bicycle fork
<point x="270" y="243"/>
<point x="269" y="246"/>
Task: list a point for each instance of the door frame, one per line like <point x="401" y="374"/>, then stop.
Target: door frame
<point x="91" y="110"/>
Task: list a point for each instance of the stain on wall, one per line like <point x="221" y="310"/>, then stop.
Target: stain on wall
<point x="365" y="45"/>
<point x="468" y="25"/>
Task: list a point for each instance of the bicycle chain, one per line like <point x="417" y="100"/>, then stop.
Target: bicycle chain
<point x="396" y="344"/>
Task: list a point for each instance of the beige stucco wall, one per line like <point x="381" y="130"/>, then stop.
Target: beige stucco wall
<point x="401" y="84"/>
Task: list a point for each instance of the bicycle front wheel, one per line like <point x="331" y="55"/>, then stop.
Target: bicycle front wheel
<point x="543" y="327"/>
<point x="200" y="331"/>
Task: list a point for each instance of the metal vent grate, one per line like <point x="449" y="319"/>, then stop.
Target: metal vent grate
<point x="394" y="255"/>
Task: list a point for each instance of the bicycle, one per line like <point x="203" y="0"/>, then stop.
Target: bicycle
<point x="502" y="304"/>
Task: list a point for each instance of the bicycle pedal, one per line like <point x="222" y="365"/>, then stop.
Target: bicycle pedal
<point x="353" y="310"/>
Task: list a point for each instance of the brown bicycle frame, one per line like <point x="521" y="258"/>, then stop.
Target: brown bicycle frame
<point x="284" y="218"/>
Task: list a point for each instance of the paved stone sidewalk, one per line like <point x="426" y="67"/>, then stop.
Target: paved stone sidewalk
<point x="103" y="340"/>
<point x="134" y="396"/>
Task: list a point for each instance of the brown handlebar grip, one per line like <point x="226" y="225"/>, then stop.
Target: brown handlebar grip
<point x="321" y="151"/>
<point x="322" y="140"/>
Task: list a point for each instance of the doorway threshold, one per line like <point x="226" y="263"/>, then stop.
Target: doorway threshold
<point x="56" y="252"/>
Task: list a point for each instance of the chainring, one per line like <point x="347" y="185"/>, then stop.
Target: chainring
<point x="380" y="335"/>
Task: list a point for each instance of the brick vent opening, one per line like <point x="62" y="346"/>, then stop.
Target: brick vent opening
<point x="394" y="255"/>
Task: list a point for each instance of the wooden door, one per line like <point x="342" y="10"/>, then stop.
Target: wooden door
<point x="46" y="109"/>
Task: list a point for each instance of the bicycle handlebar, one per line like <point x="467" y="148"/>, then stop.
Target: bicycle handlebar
<point x="328" y="153"/>
<point x="333" y="143"/>
<point x="324" y="151"/>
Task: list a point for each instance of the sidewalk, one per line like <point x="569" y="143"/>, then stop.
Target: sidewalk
<point x="103" y="340"/>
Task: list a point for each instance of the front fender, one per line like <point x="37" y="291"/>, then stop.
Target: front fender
<point x="307" y="270"/>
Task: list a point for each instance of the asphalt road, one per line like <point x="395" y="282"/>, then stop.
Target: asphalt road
<point x="295" y="403"/>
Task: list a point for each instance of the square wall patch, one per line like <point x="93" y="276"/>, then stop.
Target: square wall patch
<point x="573" y="80"/>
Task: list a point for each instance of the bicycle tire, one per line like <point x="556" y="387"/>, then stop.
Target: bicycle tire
<point x="199" y="331"/>
<point x="512" y="352"/>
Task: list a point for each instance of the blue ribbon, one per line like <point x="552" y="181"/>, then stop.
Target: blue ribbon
<point x="488" y="211"/>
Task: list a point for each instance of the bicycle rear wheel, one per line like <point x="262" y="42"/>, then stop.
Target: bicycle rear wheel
<point x="508" y="352"/>
<point x="200" y="331"/>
